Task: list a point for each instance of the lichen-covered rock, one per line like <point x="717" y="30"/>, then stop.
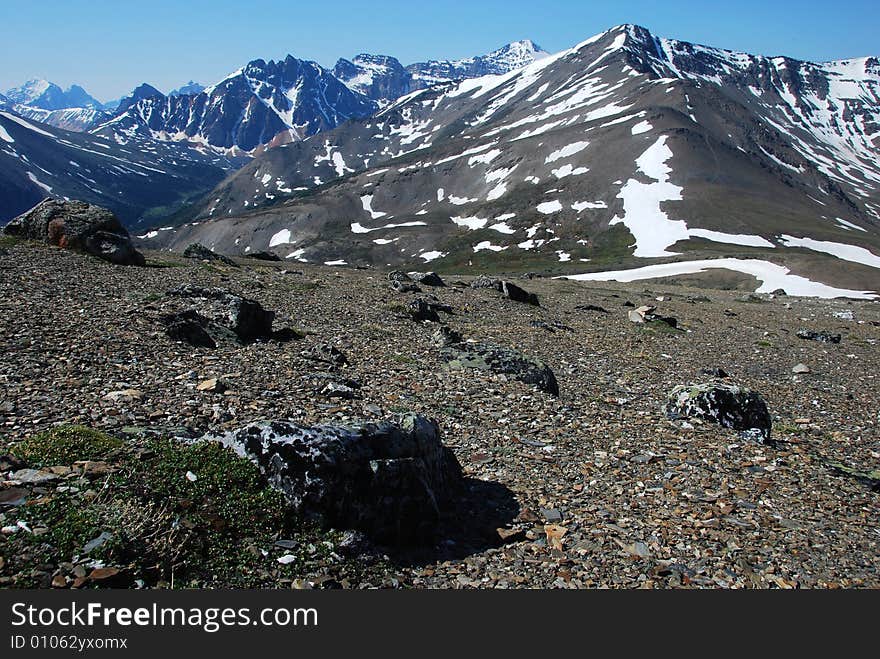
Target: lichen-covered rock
<point x="202" y="253"/>
<point x="729" y="405"/>
<point x="486" y="282"/>
<point x="78" y="226"/>
<point x="496" y="359"/>
<point x="821" y="337"/>
<point x="402" y="286"/>
<point x="389" y="480"/>
<point x="397" y="275"/>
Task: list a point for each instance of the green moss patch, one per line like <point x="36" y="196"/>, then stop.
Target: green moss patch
<point x="65" y="445"/>
<point x="160" y="513"/>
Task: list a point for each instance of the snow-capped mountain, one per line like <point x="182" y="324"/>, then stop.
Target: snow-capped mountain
<point x="508" y="58"/>
<point x="141" y="181"/>
<point x="285" y="100"/>
<point x="379" y="77"/>
<point x="625" y="149"/>
<point x="383" y="78"/>
<point x="74" y="109"/>
<point x="191" y="87"/>
<point x="49" y="96"/>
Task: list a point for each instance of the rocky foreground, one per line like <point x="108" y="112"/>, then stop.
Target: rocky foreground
<point x="567" y="466"/>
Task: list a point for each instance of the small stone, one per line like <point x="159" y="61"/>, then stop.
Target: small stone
<point x="212" y="385"/>
<point x="58" y="581"/>
<point x="191" y="477"/>
<point x="93" y="544"/>
<point x="32" y="476"/>
<point x="124" y="396"/>
<point x="103" y="573"/>
<point x="801" y="368"/>
<point x="552" y="515"/>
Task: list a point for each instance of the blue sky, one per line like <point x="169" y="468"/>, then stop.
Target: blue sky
<point x="110" y="46"/>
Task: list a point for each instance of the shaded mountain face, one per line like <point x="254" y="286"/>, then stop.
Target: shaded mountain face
<point x="49" y="96"/>
<point x="140" y="182"/>
<point x="621" y="150"/>
<point x="384" y="79"/>
<point x="245" y="111"/>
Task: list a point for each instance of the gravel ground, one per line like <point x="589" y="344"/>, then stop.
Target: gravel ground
<point x="595" y="488"/>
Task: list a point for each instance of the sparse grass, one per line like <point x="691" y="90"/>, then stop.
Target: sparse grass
<point x="163" y="263"/>
<point x="188" y="515"/>
<point x="396" y="308"/>
<point x="10" y="241"/>
<point x="64" y="445"/>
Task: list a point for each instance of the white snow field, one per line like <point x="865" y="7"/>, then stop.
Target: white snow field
<point x="771" y="276"/>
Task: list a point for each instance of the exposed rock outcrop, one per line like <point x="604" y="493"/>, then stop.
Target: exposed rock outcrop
<point x="729" y="405"/>
<point x="78" y="226"/>
<point x="495" y="359"/>
<point x="199" y="251"/>
<point x="387" y="479"/>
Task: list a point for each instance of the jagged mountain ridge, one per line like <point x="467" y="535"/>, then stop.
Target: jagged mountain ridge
<point x="384" y="79"/>
<point x="245" y="111"/>
<point x="624" y="146"/>
<point x="270" y="103"/>
<point x="140" y="182"/>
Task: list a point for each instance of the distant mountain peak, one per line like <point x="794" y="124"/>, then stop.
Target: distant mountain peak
<point x="191" y="87"/>
<point x="383" y="79"/>
<point x="45" y="95"/>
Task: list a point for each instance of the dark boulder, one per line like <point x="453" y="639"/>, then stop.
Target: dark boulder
<point x="227" y="313"/>
<point x="202" y="253"/>
<point x="425" y="310"/>
<point x="729" y="405"/>
<point x="517" y="294"/>
<point x="397" y="275"/>
<point x="78" y="226"/>
<point x="389" y="480"/>
<point x="405" y="286"/>
<point x="592" y="307"/>
<point x="821" y="337"/>
<point x="262" y="256"/>
<point x="421" y="311"/>
<point x="327" y="354"/>
<point x="427" y="278"/>
<point x="189" y="327"/>
<point x="507" y="289"/>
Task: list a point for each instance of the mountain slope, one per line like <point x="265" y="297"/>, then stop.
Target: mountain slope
<point x="245" y="111"/>
<point x="384" y="79"/>
<point x="623" y="148"/>
<point x="141" y="182"/>
<point x="73" y="119"/>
